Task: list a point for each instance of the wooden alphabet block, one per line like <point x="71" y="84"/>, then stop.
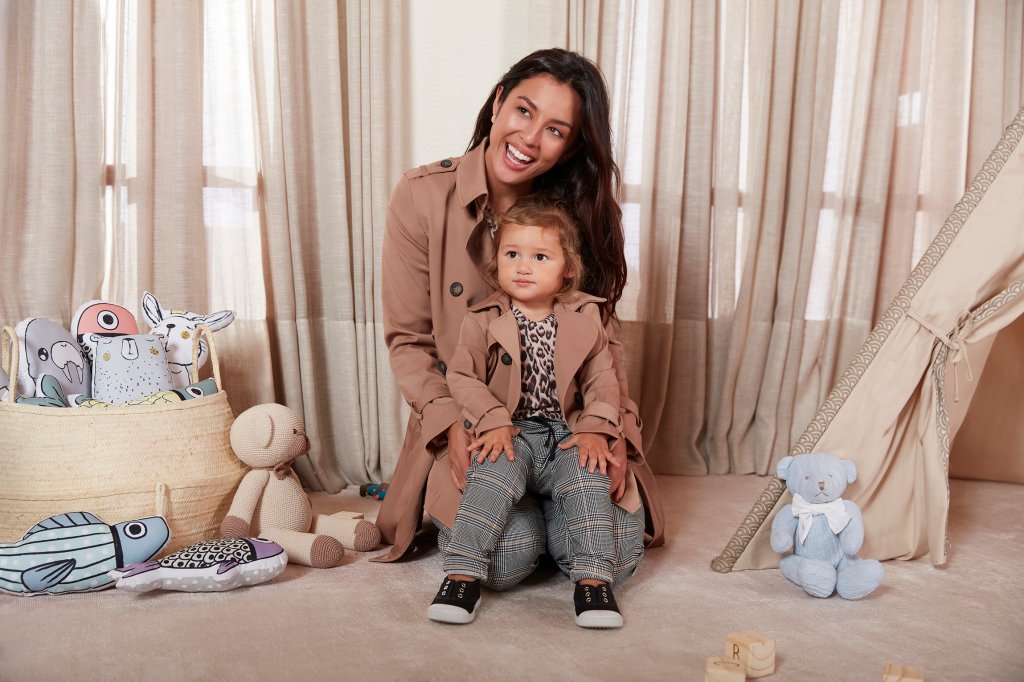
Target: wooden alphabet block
<point x="720" y="670"/>
<point x="753" y="651"/>
<point x="894" y="672"/>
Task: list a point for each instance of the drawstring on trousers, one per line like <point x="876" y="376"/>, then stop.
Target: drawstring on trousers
<point x="540" y="425"/>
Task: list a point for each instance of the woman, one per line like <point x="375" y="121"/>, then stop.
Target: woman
<point x="544" y="128"/>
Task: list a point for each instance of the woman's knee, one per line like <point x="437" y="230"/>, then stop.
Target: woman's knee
<point x="629" y="541"/>
<point x="519" y="547"/>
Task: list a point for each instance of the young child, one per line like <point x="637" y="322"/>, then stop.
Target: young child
<point x="534" y="378"/>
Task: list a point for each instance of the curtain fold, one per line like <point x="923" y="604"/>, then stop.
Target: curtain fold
<point x="331" y="124"/>
<point x="51" y="159"/>
<point x="784" y="165"/>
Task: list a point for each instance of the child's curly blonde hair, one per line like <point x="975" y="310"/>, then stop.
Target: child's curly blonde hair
<point x="541" y="212"/>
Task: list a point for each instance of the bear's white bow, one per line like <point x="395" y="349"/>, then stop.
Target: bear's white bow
<point x="835" y="513"/>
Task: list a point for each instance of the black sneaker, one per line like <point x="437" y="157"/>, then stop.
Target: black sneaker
<point x="596" y="607"/>
<point x="455" y="602"/>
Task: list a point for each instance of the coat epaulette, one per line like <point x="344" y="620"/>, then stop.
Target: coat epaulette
<point x="442" y="166"/>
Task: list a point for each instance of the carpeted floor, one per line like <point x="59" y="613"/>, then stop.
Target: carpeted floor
<point x="366" y="621"/>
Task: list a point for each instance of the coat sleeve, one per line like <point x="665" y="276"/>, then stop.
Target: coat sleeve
<point x="631" y="423"/>
<point x="408" y="327"/>
<point x="467" y="373"/>
<point x="599" y="384"/>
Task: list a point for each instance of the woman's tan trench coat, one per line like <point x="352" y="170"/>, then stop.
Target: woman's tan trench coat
<point x="435" y="237"/>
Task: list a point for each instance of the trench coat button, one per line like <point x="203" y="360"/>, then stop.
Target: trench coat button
<point x="443" y="366"/>
<point x="578" y="397"/>
<point x="506" y="359"/>
<point x="447" y="163"/>
<point x="467" y="424"/>
<point x="456" y="289"/>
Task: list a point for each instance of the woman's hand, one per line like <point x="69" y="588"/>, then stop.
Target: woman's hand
<point x="494" y="442"/>
<point x="458" y="454"/>
<point x="618" y="470"/>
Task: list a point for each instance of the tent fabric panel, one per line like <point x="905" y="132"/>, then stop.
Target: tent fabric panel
<point x="1004" y="209"/>
<point x="980" y="451"/>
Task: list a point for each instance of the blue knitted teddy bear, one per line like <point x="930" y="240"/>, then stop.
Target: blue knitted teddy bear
<point x="823" y="530"/>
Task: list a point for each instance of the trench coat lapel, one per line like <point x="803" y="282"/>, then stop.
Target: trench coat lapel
<point x="575" y="339"/>
<point x="506" y="332"/>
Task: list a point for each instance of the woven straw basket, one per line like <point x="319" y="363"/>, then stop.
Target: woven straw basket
<point x="120" y="463"/>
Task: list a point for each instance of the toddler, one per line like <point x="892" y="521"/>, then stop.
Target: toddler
<point x="534" y="378"/>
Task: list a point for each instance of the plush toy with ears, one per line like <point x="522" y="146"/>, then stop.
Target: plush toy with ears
<point x="824" y="531"/>
<point x="270" y="502"/>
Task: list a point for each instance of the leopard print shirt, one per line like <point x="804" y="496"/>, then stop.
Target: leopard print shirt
<point x="537" y="355"/>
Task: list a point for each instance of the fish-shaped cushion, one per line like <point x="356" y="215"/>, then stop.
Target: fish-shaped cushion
<point x="212" y="566"/>
<point x="74" y="552"/>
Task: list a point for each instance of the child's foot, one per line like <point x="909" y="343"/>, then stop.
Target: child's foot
<point x="455" y="602"/>
<point x="596" y="607"/>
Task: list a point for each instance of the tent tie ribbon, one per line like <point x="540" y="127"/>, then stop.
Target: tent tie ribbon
<point x="954" y="341"/>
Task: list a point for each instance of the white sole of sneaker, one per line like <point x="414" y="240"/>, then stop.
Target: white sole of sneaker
<point x="446" y="613"/>
<point x="599" y="619"/>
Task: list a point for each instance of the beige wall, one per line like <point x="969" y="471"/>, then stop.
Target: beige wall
<point x="467" y="45"/>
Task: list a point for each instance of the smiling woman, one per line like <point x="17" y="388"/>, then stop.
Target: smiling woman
<point x="544" y="130"/>
<point x="532" y="131"/>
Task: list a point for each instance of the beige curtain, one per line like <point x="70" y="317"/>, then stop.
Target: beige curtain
<point x="784" y="164"/>
<point x="333" y="139"/>
<point x="51" y="158"/>
<point x="220" y="155"/>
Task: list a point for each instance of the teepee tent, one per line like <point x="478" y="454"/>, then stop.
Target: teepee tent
<point x="940" y="379"/>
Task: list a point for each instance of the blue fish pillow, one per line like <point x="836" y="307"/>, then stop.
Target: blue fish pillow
<point x="74" y="552"/>
<point x="213" y="566"/>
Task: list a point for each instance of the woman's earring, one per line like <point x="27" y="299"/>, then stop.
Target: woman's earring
<point x="492" y="118"/>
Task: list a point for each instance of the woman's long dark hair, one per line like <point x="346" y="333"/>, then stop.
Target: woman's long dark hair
<point x="589" y="180"/>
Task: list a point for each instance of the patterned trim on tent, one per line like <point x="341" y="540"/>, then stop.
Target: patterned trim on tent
<point x="984" y="312"/>
<point x="827" y="411"/>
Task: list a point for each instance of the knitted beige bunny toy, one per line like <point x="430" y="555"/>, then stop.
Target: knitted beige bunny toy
<point x="270" y="502"/>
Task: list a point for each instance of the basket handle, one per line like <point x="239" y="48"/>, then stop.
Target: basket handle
<point x="9" y="360"/>
<point x="204" y="330"/>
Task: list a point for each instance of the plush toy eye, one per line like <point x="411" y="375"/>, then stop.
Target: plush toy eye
<point x="107" y="319"/>
<point x="135" y="530"/>
<point x="195" y="391"/>
<point x="44" y="354"/>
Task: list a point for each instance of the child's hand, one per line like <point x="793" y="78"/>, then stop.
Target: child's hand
<point x="492" y="443"/>
<point x="594" y="452"/>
